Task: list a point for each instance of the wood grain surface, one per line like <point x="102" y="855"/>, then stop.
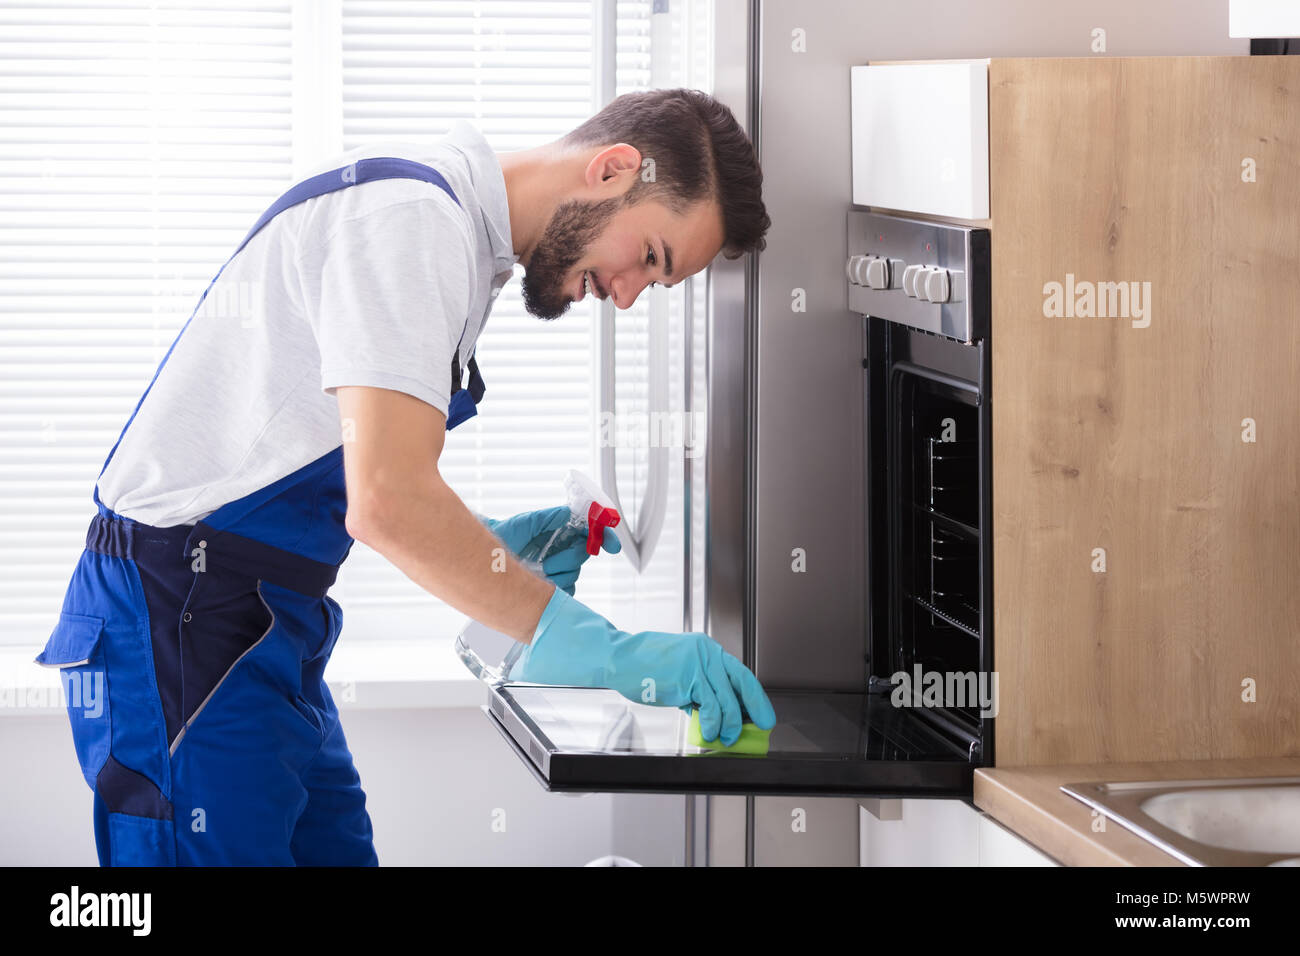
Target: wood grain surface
<point x="1109" y="435"/>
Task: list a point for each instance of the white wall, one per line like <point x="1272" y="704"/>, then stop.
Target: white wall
<point x="45" y="806"/>
<point x="432" y="776"/>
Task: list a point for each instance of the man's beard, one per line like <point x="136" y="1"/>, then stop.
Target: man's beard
<point x="571" y="230"/>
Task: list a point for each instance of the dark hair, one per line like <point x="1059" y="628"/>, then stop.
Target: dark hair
<point x="699" y="152"/>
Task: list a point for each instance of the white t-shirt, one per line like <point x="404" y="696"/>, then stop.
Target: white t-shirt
<point x="376" y="284"/>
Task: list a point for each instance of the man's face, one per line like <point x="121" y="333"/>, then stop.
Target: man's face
<point x="621" y="249"/>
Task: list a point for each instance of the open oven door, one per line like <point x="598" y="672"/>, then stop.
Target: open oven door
<point x="576" y="739"/>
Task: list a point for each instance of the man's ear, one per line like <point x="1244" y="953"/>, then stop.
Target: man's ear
<point x="610" y="170"/>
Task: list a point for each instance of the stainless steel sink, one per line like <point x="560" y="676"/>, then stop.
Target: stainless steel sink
<point x="1253" y="821"/>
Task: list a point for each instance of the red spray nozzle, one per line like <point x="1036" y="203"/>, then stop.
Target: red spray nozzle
<point x="599" y="517"/>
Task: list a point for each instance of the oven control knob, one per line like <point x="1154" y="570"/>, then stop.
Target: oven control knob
<point x="956" y="285"/>
<point x="909" y="279"/>
<point x="851" y="268"/>
<point x="937" y="285"/>
<point x="920" y="282"/>
<point x="861" y="270"/>
<point x="878" y="273"/>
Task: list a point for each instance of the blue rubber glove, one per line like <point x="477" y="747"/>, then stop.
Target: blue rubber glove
<point x="526" y="534"/>
<point x="575" y="646"/>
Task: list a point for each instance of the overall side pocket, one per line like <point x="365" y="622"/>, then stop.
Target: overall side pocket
<point x="74" y="649"/>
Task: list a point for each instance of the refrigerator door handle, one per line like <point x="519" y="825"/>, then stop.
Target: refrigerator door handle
<point x="640" y="537"/>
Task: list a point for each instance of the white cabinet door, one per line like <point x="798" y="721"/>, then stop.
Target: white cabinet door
<point x="927" y="833"/>
<point x="1000" y="847"/>
<point x="939" y="833"/>
<point x="921" y="137"/>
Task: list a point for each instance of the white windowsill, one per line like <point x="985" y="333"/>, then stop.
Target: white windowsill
<point x="362" y="675"/>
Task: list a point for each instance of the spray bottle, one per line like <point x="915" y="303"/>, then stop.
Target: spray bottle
<point x="590" y="513"/>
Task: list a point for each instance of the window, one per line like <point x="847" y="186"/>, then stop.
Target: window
<point x="140" y="141"/>
<point x="141" y="144"/>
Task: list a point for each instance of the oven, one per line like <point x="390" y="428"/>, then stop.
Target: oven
<point x="922" y="288"/>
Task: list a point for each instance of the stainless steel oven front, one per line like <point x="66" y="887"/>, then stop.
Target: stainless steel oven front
<point x="922" y="287"/>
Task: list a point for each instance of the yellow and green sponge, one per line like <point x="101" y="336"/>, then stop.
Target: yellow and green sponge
<point x="752" y="740"/>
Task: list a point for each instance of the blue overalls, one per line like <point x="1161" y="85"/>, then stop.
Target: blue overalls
<point x="193" y="658"/>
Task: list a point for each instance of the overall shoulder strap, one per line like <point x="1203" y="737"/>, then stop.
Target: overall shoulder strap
<point x="362" y="171"/>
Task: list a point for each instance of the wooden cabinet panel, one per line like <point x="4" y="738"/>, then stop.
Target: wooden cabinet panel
<point x="1123" y="432"/>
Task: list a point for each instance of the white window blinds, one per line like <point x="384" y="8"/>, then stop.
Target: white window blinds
<point x="523" y="74"/>
<point x="140" y="140"/>
<point x="138" y="143"/>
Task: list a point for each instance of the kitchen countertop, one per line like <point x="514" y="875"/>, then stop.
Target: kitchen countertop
<point x="1028" y="801"/>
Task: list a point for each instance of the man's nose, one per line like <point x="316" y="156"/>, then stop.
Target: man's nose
<point x="625" y="290"/>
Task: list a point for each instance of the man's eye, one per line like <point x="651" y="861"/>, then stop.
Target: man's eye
<point x="650" y="257"/>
